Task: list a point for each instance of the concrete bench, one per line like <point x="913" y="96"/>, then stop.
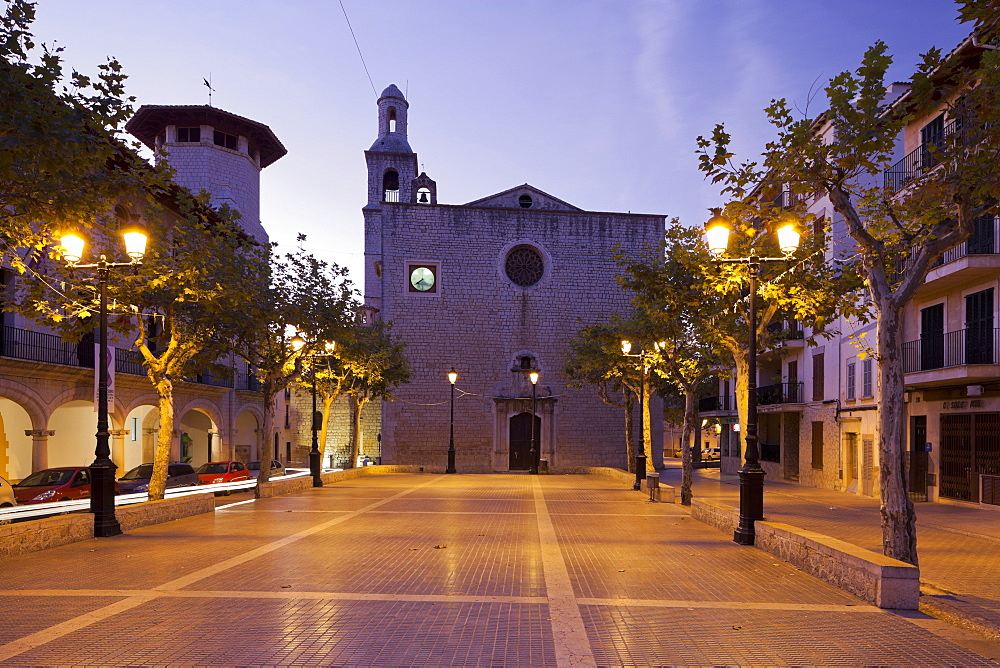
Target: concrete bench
<point x="872" y="577"/>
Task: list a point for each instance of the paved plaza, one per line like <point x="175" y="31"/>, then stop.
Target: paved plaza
<point x="428" y="570"/>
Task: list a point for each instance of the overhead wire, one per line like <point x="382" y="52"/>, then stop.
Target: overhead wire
<point x="363" y="64"/>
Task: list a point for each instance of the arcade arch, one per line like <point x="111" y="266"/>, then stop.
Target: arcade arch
<point x="15" y="445"/>
<point x="245" y="437"/>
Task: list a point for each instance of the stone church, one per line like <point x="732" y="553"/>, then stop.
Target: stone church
<point x="494" y="289"/>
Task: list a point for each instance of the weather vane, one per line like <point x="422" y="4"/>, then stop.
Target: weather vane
<point x="208" y="84"/>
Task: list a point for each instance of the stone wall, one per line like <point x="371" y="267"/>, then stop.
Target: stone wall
<point x="339" y="428"/>
<point x="478" y="322"/>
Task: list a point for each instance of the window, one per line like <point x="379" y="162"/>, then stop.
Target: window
<point x="192" y="135"/>
<point x="392" y="119"/>
<point x="866" y="378"/>
<point x="524" y="266"/>
<point x="818" y="377"/>
<point x="134" y="435"/>
<point x="817" y="444"/>
<point x="227" y="140"/>
<point x="524" y="362"/>
<point x="851" y="380"/>
<point x="524" y="201"/>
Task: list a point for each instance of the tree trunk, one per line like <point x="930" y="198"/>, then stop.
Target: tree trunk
<point x="324" y="425"/>
<point x="689" y="418"/>
<point x="742" y="399"/>
<point x="266" y="452"/>
<point x="899" y="523"/>
<point x="164" y="437"/>
<point x="647" y="434"/>
<point x="357" y="404"/>
<point x="628" y="409"/>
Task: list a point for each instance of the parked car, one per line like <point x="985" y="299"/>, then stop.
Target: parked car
<point x="179" y="474"/>
<point x="710" y="453"/>
<point x="212" y="472"/>
<point x="7" y="497"/>
<point x="277" y="469"/>
<point x="63" y="483"/>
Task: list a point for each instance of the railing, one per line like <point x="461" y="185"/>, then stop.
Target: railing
<point x="24" y="344"/>
<point x="247" y="381"/>
<point x="915" y="163"/>
<point x="779" y="393"/>
<point x="390" y="196"/>
<point x="977" y="345"/>
<point x="129" y="361"/>
<point x="720" y="403"/>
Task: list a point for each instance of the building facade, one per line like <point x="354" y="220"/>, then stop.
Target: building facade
<point x="47" y="395"/>
<point x="494" y="289"/>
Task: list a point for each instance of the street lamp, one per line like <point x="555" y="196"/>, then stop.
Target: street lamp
<point x="452" y="378"/>
<point x="717" y="231"/>
<point x="315" y="456"/>
<point x="640" y="453"/>
<point x="533" y="453"/>
<point x="102" y="471"/>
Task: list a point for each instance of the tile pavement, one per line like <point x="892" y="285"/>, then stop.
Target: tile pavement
<point x="432" y="570"/>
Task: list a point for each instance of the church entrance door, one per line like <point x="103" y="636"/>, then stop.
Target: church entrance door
<point x="520" y="440"/>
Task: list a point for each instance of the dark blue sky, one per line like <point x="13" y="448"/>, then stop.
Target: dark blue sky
<point x="596" y="101"/>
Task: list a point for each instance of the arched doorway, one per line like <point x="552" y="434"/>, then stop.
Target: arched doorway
<point x="520" y="440"/>
<point x="199" y="442"/>
<point x="142" y="425"/>
<point x="15" y="446"/>
<point x="75" y="438"/>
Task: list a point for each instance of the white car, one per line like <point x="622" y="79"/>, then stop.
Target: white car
<point x="710" y="453"/>
<point x="277" y="469"/>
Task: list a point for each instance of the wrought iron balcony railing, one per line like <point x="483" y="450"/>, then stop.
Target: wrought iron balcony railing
<point x="779" y="393"/>
<point x="916" y="162"/>
<point x="720" y="403"/>
<point x="975" y="345"/>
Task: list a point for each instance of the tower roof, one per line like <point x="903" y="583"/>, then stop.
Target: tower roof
<point x="392" y="91"/>
<point x="150" y="119"/>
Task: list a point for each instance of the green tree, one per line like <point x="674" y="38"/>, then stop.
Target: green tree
<point x="375" y="364"/>
<point x="844" y="154"/>
<point x="59" y="160"/>
<point x="595" y="358"/>
<point x="302" y="295"/>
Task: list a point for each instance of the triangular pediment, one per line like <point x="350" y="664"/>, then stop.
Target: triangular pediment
<point x="525" y="197"/>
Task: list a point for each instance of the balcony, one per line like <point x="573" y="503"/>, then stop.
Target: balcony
<point x="23" y="344"/>
<point x="779" y="393"/>
<point x="974" y="260"/>
<point x="918" y="161"/>
<point x="966" y="355"/>
<point x="716" y="404"/>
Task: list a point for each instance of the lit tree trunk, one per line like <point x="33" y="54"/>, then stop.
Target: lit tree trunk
<point x="628" y="408"/>
<point x="647" y="433"/>
<point x="357" y="405"/>
<point x="686" y="460"/>
<point x="899" y="523"/>
<point x="268" y="388"/>
<point x="742" y="384"/>
<point x="324" y="425"/>
<point x="164" y="437"/>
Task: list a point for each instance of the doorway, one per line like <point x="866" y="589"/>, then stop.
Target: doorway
<point x="918" y="457"/>
<point x="520" y="440"/>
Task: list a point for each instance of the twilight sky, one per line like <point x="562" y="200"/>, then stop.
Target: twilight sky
<point x="597" y="102"/>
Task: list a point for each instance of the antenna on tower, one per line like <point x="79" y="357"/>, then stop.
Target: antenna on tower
<point x="208" y="84"/>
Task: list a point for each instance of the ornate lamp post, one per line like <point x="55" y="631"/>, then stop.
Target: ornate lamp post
<point x="102" y="471"/>
<point x="533" y="453"/>
<point x="452" y="378"/>
<point x="315" y="457"/>
<point x="717" y="231"/>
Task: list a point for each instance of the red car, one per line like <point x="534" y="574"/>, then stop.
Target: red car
<point x="211" y="472"/>
<point x="55" y="484"/>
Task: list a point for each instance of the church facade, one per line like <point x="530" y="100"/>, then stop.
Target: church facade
<point x="493" y="289"/>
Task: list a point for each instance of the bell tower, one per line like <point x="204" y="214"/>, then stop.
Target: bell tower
<point x="392" y="164"/>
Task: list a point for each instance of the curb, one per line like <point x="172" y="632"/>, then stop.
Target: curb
<point x="969" y="616"/>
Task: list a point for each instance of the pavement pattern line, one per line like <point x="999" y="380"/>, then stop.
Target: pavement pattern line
<point x="57" y="631"/>
<point x="449" y="598"/>
<point x="572" y="645"/>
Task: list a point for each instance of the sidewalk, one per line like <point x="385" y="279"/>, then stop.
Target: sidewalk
<point x="958" y="545"/>
<point x="438" y="570"/>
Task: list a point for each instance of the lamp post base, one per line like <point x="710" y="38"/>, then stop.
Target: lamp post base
<point x="640" y="471"/>
<point x="314" y="467"/>
<point x="751" y="503"/>
<point x="451" y="460"/>
<point x="102" y="499"/>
